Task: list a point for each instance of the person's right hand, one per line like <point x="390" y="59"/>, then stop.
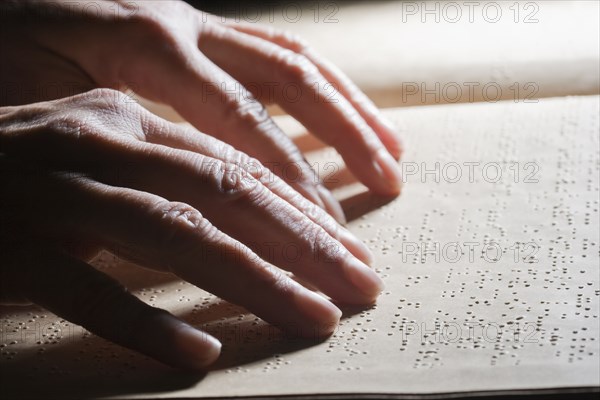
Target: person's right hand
<point x="218" y="75"/>
<point x="99" y="171"/>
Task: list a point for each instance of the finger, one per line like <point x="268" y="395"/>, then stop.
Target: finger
<point x="159" y="234"/>
<point x="318" y="106"/>
<point x="365" y="107"/>
<point x="81" y="294"/>
<point x="179" y="237"/>
<point x="255" y="216"/>
<point x="253" y="212"/>
<point x="185" y="138"/>
<point x="95" y="151"/>
<point x="217" y="104"/>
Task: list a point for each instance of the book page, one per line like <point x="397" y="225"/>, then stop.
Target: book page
<point x="490" y="259"/>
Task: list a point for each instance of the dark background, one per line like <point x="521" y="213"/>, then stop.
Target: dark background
<point x="226" y="7"/>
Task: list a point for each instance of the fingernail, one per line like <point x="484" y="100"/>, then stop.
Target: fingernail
<point x="323" y="314"/>
<point x="200" y="348"/>
<point x="332" y="205"/>
<point x="364" y="278"/>
<point x="356" y="246"/>
<point x="388" y="170"/>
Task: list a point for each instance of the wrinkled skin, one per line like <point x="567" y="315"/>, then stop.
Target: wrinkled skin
<point x="85" y="168"/>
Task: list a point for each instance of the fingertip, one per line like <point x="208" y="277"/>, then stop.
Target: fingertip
<point x="198" y="349"/>
<point x="390" y="177"/>
<point x="322" y="315"/>
<point x="365" y="280"/>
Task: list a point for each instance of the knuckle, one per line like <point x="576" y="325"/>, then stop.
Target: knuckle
<point x="66" y="126"/>
<point x="149" y="23"/>
<point x="165" y="24"/>
<point x="296" y="67"/>
<point x="261" y="173"/>
<point x="96" y="119"/>
<point x="177" y="216"/>
<point x="248" y="112"/>
<point x="312" y="211"/>
<point x="236" y="184"/>
<point x="85" y="119"/>
<point x="311" y="235"/>
<point x="175" y="212"/>
<point x="110" y="108"/>
<point x="112" y="101"/>
<point x="66" y="129"/>
<point x="178" y="225"/>
<point x="292" y="41"/>
<point x="249" y="166"/>
<point x="103" y="96"/>
<point x="252" y="166"/>
<point x="319" y="243"/>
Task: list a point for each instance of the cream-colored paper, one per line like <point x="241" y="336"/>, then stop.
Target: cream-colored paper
<point x="406" y="53"/>
<point x="525" y="318"/>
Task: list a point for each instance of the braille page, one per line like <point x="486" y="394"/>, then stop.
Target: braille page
<point x="490" y="259"/>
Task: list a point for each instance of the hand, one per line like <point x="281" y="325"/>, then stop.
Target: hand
<point x="98" y="171"/>
<point x="214" y="74"/>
